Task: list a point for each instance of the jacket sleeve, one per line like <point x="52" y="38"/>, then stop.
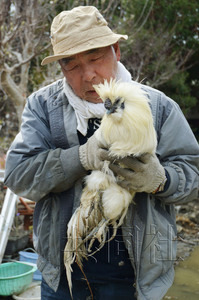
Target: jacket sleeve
<point x="34" y="167"/>
<point x="178" y="152"/>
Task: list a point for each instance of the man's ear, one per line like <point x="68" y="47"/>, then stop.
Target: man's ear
<point x="117" y="50"/>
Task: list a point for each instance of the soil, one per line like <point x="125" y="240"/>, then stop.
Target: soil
<point x="187" y="219"/>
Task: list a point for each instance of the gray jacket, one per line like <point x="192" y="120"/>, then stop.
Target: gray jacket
<point x="43" y="165"/>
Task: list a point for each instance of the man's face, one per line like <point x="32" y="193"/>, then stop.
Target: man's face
<point x="90" y="67"/>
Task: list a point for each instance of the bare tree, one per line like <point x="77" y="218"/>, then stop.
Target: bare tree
<point x="22" y="37"/>
<point x="149" y="53"/>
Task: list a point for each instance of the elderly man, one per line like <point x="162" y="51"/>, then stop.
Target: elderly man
<point x="56" y="148"/>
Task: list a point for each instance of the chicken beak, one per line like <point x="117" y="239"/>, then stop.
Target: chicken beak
<point x="111" y="111"/>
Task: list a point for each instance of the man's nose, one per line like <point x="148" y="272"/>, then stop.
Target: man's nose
<point x="88" y="73"/>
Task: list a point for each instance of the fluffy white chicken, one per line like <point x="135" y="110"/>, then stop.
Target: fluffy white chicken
<point x="126" y="129"/>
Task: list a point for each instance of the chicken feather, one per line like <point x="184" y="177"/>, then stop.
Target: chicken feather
<point x="126" y="129"/>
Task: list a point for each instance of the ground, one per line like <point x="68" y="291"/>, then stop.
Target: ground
<point x="188" y="228"/>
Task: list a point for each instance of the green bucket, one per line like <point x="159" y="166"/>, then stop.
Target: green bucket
<point x="15" y="277"/>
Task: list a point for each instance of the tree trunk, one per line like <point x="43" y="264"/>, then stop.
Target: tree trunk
<point x="14" y="92"/>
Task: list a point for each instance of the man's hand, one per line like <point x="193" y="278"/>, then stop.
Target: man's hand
<point x="141" y="174"/>
<point x="90" y="154"/>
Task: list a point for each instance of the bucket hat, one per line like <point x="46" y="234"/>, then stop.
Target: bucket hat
<point x="80" y="29"/>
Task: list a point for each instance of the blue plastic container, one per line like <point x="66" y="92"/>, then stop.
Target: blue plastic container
<point x="30" y="257"/>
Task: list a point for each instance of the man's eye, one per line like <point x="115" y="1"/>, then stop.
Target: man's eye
<point x="71" y="68"/>
<point x="97" y="58"/>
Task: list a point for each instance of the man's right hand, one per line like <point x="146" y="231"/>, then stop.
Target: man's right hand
<point x="90" y="154"/>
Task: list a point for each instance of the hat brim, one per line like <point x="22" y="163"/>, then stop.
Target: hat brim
<point x="89" y="45"/>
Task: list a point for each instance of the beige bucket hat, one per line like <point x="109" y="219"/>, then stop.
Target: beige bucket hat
<point x="80" y="29"/>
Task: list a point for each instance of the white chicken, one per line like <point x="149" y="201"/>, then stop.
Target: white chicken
<point x="126" y="129"/>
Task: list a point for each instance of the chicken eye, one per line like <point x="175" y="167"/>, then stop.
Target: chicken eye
<point x="122" y="105"/>
<point x="117" y="100"/>
<point x="107" y="103"/>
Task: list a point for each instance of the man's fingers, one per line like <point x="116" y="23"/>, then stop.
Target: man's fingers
<point x="103" y="154"/>
<point x="135" y="164"/>
<point x="117" y="170"/>
<point x="132" y="163"/>
<point x="124" y="184"/>
<point x="145" y="158"/>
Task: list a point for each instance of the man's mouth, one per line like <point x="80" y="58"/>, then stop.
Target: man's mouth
<point x="91" y="92"/>
<point x="92" y="96"/>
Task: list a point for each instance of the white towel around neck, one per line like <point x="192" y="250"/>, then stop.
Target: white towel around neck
<point x="85" y="110"/>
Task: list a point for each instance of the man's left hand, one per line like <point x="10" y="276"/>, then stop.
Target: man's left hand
<point x="140" y="174"/>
